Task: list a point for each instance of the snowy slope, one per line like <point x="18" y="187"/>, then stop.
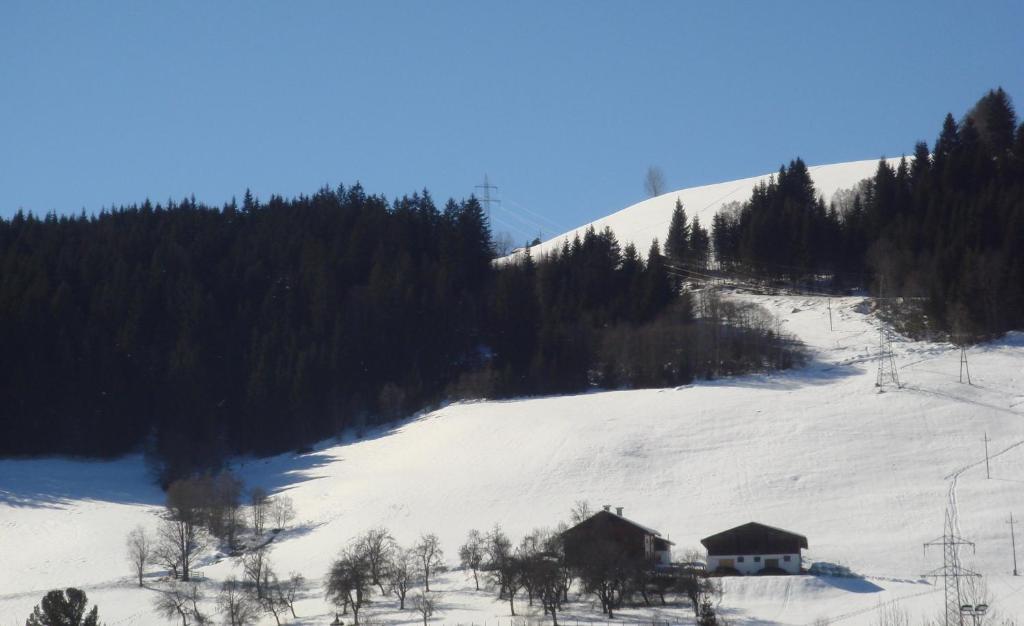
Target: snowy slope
<point x="644" y="221"/>
<point x="866" y="476"/>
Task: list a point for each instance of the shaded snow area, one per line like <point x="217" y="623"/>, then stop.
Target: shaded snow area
<point x="645" y="221"/>
<point x="866" y="476"/>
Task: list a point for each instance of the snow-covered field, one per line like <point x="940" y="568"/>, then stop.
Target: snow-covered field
<point x="866" y="476"/>
<point x="645" y="221"/>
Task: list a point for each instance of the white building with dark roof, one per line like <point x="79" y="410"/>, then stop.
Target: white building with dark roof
<point x="754" y="548"/>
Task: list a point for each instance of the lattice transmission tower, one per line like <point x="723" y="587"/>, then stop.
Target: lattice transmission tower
<point x="887" y="372"/>
<point x="952" y="572"/>
<point x="487" y="199"/>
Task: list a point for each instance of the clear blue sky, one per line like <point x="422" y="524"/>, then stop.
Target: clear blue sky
<point x="564" y="104"/>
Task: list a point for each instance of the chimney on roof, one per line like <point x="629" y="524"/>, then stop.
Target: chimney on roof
<point x="607" y="507"/>
<point x="618" y="511"/>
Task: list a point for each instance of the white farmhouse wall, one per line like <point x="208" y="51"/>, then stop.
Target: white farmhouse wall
<point x="748" y="564"/>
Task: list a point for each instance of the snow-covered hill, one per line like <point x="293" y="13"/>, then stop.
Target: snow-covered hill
<point x="644" y="221"/>
<point x="866" y="476"/>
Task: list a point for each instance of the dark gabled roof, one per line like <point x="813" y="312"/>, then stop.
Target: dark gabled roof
<point x="754" y="538"/>
<point x="605" y="516"/>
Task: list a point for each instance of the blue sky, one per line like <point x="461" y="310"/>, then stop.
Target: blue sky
<point x="563" y="104"/>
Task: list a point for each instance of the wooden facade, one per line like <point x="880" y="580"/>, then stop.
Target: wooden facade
<point x="608" y="532"/>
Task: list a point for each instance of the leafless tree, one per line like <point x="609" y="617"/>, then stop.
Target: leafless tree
<point x="548" y="578"/>
<point x="181" y="601"/>
<point x="580" y="511"/>
<point x="181" y="532"/>
<point x="349" y="582"/>
<point x="401" y="573"/>
<point x="256" y="569"/>
<point x="258" y="502"/>
<point x="654" y="181"/>
<point x="503" y="566"/>
<point x="530" y="557"/>
<point x="376" y="546"/>
<point x="235" y="605"/>
<point x="425" y="604"/>
<point x="224" y="504"/>
<point x="282" y="511"/>
<point x="471" y="554"/>
<point x="430" y="555"/>
<point x="274" y="600"/>
<point x="165" y="554"/>
<point x="291" y="589"/>
<point x="701" y="591"/>
<point x="195" y="595"/>
<point x="502" y="244"/>
<point x="140" y="550"/>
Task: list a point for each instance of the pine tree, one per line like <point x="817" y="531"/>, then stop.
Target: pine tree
<point x="677" y="242"/>
<point x="700" y="244"/>
<point x="64" y="608"/>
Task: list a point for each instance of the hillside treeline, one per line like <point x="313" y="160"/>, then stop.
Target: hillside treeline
<point x="944" y="230"/>
<point x="196" y="332"/>
<point x="202" y="331"/>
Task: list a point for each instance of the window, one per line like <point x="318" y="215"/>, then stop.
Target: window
<point x="757" y="559"/>
<point x="786" y="558"/>
<point x="739" y="559"/>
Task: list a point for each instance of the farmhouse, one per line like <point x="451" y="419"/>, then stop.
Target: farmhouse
<point x="754" y="549"/>
<point x="610" y="534"/>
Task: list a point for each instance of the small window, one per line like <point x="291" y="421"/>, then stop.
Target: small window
<point x="786" y="558"/>
<point x="739" y="559"/>
<point x="757" y="559"/>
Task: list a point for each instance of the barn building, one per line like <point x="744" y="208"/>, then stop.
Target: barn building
<point x="629" y="540"/>
<point x="754" y="549"/>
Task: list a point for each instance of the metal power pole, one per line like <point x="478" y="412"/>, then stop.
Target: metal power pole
<point x="988" y="472"/>
<point x="1013" y="545"/>
<point x="963" y="364"/>
<point x="951" y="571"/>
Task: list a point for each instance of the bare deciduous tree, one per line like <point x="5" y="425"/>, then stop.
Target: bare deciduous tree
<point x="291" y="589"/>
<point x="376" y="546"/>
<point x="282" y="511"/>
<point x="181" y="533"/>
<point x="580" y="511"/>
<point x="503" y="566"/>
<point x="181" y="601"/>
<point x="274" y="600"/>
<point x="256" y="569"/>
<point x="654" y="181"/>
<point x="349" y="582"/>
<point x="502" y="244"/>
<point x="258" y="509"/>
<point x="425" y="604"/>
<point x="140" y="551"/>
<point x="235" y="605"/>
<point x="401" y="573"/>
<point x="165" y="554"/>
<point x="471" y="554"/>
<point x="224" y="505"/>
<point x="430" y="555"/>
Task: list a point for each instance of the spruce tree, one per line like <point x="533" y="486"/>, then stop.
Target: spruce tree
<point x="677" y="241"/>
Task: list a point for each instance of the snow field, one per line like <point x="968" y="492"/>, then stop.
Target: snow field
<point x="865" y="475"/>
<point x="644" y="221"/>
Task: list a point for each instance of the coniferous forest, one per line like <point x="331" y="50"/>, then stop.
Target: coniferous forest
<point x="195" y="332"/>
<point x="941" y="232"/>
